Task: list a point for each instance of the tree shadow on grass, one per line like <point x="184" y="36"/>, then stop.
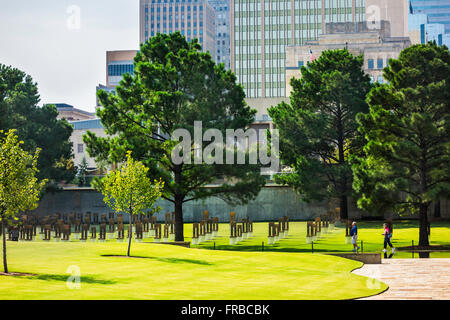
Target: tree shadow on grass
<point x="65" y="277"/>
<point x="167" y="260"/>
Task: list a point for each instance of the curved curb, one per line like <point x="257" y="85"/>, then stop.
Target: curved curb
<point x="372" y="295"/>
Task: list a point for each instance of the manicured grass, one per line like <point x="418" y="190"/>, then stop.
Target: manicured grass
<point x="368" y="232"/>
<point x="286" y="270"/>
<point x="171" y="272"/>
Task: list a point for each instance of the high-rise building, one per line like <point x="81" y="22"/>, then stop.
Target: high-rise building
<point x="222" y="9"/>
<point x="438" y="11"/>
<point x="261" y="30"/>
<point x="430" y="21"/>
<point x="193" y="18"/>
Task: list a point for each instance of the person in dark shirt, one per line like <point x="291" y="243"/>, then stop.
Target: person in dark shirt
<point x="354" y="235"/>
<point x="387" y="238"/>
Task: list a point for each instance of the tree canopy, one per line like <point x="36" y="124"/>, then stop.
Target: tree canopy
<point x="173" y="86"/>
<point x="318" y="128"/>
<point x="405" y="164"/>
<point x="129" y="189"/>
<point x="37" y="126"/>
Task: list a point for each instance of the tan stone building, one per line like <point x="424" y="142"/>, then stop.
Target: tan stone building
<point x="394" y="11"/>
<point x="80" y="128"/>
<point x="377" y="46"/>
<point x="70" y="113"/>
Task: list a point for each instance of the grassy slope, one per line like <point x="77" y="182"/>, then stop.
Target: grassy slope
<point x="169" y="272"/>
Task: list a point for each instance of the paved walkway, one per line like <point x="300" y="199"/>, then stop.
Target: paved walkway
<point x="410" y="279"/>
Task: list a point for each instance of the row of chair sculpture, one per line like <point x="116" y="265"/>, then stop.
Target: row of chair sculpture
<point x="278" y="230"/>
<point x="239" y="231"/>
<point x="319" y="227"/>
<point x="206" y="230"/>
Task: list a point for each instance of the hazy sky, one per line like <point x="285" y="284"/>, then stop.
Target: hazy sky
<point x="42" y="38"/>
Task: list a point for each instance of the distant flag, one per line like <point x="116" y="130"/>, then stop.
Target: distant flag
<point x="312" y="57"/>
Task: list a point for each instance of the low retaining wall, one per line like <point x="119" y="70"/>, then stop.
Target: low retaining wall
<point x="272" y="203"/>
<point x="367" y="258"/>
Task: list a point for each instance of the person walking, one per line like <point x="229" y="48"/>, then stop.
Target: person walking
<point x="387" y="238"/>
<point x="354" y="235"/>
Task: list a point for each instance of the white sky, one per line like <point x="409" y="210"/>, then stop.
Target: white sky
<point x="66" y="63"/>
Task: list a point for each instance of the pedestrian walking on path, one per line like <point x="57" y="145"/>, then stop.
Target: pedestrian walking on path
<point x="387" y="238"/>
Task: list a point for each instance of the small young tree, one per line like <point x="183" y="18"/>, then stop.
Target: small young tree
<point x="19" y="187"/>
<point x="82" y="171"/>
<point x="128" y="189"/>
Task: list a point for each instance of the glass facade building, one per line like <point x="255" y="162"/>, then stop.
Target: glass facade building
<point x="438" y="11"/>
<point x="261" y="30"/>
<point x="430" y="20"/>
<point x="193" y="18"/>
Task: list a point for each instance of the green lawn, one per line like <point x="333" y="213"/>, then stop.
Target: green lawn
<point x="368" y="232"/>
<point x="286" y="270"/>
<point x="170" y="272"/>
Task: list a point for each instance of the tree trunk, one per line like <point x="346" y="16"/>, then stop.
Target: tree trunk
<point x="5" y="264"/>
<point x="179" y="223"/>
<point x="178" y="198"/>
<point x="344" y="208"/>
<point x="423" y="231"/>
<point x="130" y="236"/>
<point x="130" y="232"/>
<point x="343" y="178"/>
<point x="437" y="209"/>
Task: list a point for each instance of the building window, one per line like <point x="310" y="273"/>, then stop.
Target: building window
<point x="80" y="148"/>
<point x="380" y="63"/>
<point x="370" y="64"/>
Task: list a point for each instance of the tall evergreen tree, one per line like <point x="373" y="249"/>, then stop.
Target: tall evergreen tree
<point x="318" y="129"/>
<point x="36" y="126"/>
<point x="406" y="159"/>
<point x="175" y="84"/>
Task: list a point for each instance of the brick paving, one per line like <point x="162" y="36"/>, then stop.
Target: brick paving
<point x="410" y="279"/>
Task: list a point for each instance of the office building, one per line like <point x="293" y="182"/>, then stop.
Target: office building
<point x="417" y="26"/>
<point x="438" y="11"/>
<point x="394" y="11"/>
<point x="117" y="64"/>
<point x="80" y="128"/>
<point x="261" y="30"/>
<point x="430" y="21"/>
<point x="377" y="46"/>
<point x="222" y="9"/>
<point x="193" y="18"/>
